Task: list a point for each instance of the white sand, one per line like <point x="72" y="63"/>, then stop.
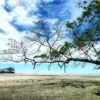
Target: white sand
<point x="8" y="77"/>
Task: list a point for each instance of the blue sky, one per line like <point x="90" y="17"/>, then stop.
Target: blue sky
<point x="18" y="16"/>
<point x="54" y="69"/>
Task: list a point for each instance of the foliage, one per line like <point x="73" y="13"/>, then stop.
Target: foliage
<point x="85" y="31"/>
<point x="7" y="70"/>
<point x="50" y="89"/>
<point x="41" y="56"/>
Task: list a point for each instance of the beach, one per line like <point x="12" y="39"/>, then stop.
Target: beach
<point x="49" y="87"/>
<point x="8" y="77"/>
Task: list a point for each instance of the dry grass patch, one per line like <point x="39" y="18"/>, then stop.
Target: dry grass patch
<point x="50" y="89"/>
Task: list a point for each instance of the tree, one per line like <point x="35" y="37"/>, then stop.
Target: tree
<point x="47" y="43"/>
<point x="9" y="70"/>
<point x="2" y="71"/>
<point x="85" y="32"/>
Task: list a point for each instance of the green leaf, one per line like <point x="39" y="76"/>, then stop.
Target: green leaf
<point x="54" y="54"/>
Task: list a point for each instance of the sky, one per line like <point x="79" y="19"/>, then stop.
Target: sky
<point x="18" y="16"/>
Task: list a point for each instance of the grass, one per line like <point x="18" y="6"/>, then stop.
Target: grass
<point x="52" y="89"/>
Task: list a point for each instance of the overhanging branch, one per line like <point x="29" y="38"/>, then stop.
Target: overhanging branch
<point x="83" y="60"/>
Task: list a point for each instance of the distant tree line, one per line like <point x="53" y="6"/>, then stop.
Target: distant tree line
<point x="7" y="70"/>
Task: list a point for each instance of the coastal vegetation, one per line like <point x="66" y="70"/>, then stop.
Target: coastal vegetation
<point x="50" y="89"/>
<point x="7" y="70"/>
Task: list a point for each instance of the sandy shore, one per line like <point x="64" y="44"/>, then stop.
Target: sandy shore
<point x="8" y="77"/>
<point x="49" y="87"/>
<point x="7" y="80"/>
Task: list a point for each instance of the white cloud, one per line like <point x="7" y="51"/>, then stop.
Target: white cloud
<point x="22" y="18"/>
<point x="5" y="18"/>
<point x="19" y="13"/>
<point x="2" y="2"/>
<point x="52" y="20"/>
<point x="3" y="41"/>
<point x="75" y="10"/>
<point x="48" y="0"/>
<point x="13" y="3"/>
<point x="20" y="9"/>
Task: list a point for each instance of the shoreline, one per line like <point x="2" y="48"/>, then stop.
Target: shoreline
<point x="25" y="74"/>
<point x="16" y="76"/>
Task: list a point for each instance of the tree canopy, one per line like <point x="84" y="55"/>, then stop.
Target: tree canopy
<point x="7" y="70"/>
<point x="49" y="43"/>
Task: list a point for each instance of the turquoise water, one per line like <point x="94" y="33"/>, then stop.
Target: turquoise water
<point x="54" y="69"/>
